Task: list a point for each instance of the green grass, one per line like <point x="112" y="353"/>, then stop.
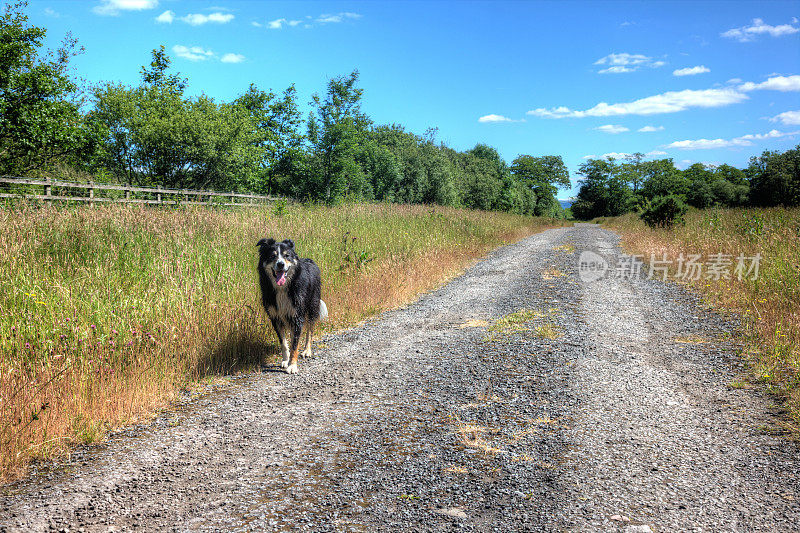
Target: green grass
<point x="106" y="312"/>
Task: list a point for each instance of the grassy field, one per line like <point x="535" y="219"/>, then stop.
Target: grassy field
<point x="769" y="304"/>
<point x="107" y="312"/>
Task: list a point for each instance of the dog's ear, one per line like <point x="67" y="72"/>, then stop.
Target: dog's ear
<point x="266" y="242"/>
<point x="289" y="243"/>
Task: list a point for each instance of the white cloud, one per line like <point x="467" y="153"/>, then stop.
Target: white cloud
<point x="612" y="128"/>
<point x="280" y="23"/>
<point x="50" y="12"/>
<point x="616" y="69"/>
<point x="759" y="27"/>
<point x="789" y="118"/>
<point x="232" y="58"/>
<point x="649" y="129"/>
<point x="198" y="19"/>
<point x="497" y="118"/>
<point x="193" y="53"/>
<point x="654" y="153"/>
<point x="691" y="71"/>
<point x="616" y="155"/>
<point x="590" y="156"/>
<point x="334" y="19"/>
<point x="744" y="140"/>
<point x="775" y="83"/>
<point x="166" y="17"/>
<point x="624" y="62"/>
<point x="113" y="7"/>
<point x="669" y="102"/>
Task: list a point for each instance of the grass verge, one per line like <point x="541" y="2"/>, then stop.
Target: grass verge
<point x="769" y="304"/>
<point x="107" y="312"/>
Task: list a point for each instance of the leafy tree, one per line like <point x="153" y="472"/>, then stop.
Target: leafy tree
<point x="661" y="178"/>
<point x="775" y="178"/>
<point x="277" y="139"/>
<point x="40" y="119"/>
<point x="543" y="175"/>
<point x="152" y="134"/>
<point x="156" y="75"/>
<point x="336" y="126"/>
<point x="603" y="191"/>
<point x="664" y="211"/>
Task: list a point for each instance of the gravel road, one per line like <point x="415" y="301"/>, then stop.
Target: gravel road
<point x="517" y="397"/>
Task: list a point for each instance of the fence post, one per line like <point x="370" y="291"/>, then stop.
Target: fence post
<point x="233" y="198"/>
<point x="185" y="197"/>
<point x="127" y="194"/>
<point x="159" y="198"/>
<point x="48" y="190"/>
<point x="91" y="192"/>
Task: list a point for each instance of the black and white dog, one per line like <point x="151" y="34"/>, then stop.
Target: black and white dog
<point x="290" y="292"/>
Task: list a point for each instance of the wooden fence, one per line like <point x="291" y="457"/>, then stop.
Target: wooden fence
<point x="58" y="190"/>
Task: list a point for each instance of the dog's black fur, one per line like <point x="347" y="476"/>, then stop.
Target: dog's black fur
<point x="290" y="292"/>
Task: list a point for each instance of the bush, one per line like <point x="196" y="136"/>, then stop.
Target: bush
<point x="664" y="211"/>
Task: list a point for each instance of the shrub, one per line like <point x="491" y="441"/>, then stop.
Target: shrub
<point x="664" y="211"/>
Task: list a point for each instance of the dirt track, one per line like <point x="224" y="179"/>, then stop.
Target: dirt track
<point x="425" y="419"/>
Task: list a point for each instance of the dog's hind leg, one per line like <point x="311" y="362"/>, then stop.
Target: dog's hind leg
<point x="308" y="339"/>
<point x="296" y="330"/>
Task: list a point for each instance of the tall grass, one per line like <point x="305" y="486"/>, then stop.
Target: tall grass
<point x="105" y="312"/>
<point x="770" y="304"/>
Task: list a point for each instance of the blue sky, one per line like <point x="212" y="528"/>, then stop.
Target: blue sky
<point x="714" y="82"/>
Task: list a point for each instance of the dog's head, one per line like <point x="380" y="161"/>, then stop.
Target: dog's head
<point x="278" y="259"/>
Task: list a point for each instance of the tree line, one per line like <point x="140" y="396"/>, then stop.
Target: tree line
<point x="153" y="133"/>
<point x="613" y="187"/>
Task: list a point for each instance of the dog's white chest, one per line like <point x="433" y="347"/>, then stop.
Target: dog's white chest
<point x="284" y="308"/>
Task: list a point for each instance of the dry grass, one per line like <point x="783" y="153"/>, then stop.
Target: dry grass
<point x="769" y="304"/>
<point x="107" y="312"/>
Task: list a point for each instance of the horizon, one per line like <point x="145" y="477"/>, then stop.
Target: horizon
<point x="613" y="78"/>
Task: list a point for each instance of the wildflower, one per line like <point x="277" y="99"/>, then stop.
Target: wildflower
<point x="93" y="326"/>
<point x="27" y="345"/>
<point x="114" y="331"/>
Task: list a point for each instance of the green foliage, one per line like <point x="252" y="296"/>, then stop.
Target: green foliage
<point x="775" y="178"/>
<point x="604" y="191"/>
<point x="542" y="176"/>
<point x="153" y="134"/>
<point x="664" y="211"/>
<point x="40" y="119"/>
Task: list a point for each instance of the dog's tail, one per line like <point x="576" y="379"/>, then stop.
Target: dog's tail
<point x="323" y="310"/>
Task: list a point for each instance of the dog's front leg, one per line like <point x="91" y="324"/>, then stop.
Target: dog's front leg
<point x="280" y="330"/>
<point x="297" y="328"/>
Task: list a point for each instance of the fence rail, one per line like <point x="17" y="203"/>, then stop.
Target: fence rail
<point x="157" y="195"/>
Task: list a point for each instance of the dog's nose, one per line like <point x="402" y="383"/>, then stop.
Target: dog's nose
<point x="280" y="265"/>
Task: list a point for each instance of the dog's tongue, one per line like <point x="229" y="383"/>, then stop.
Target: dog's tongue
<point x="281" y="278"/>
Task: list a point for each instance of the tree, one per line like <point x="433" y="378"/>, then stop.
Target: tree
<point x="156" y="75"/>
<point x="662" y="179"/>
<point x="775" y="178"/>
<point x="603" y="192"/>
<point x="335" y="128"/>
<point x="277" y="140"/>
<point x="40" y="119"/>
<point x="153" y="134"/>
<point x="543" y="175"/>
